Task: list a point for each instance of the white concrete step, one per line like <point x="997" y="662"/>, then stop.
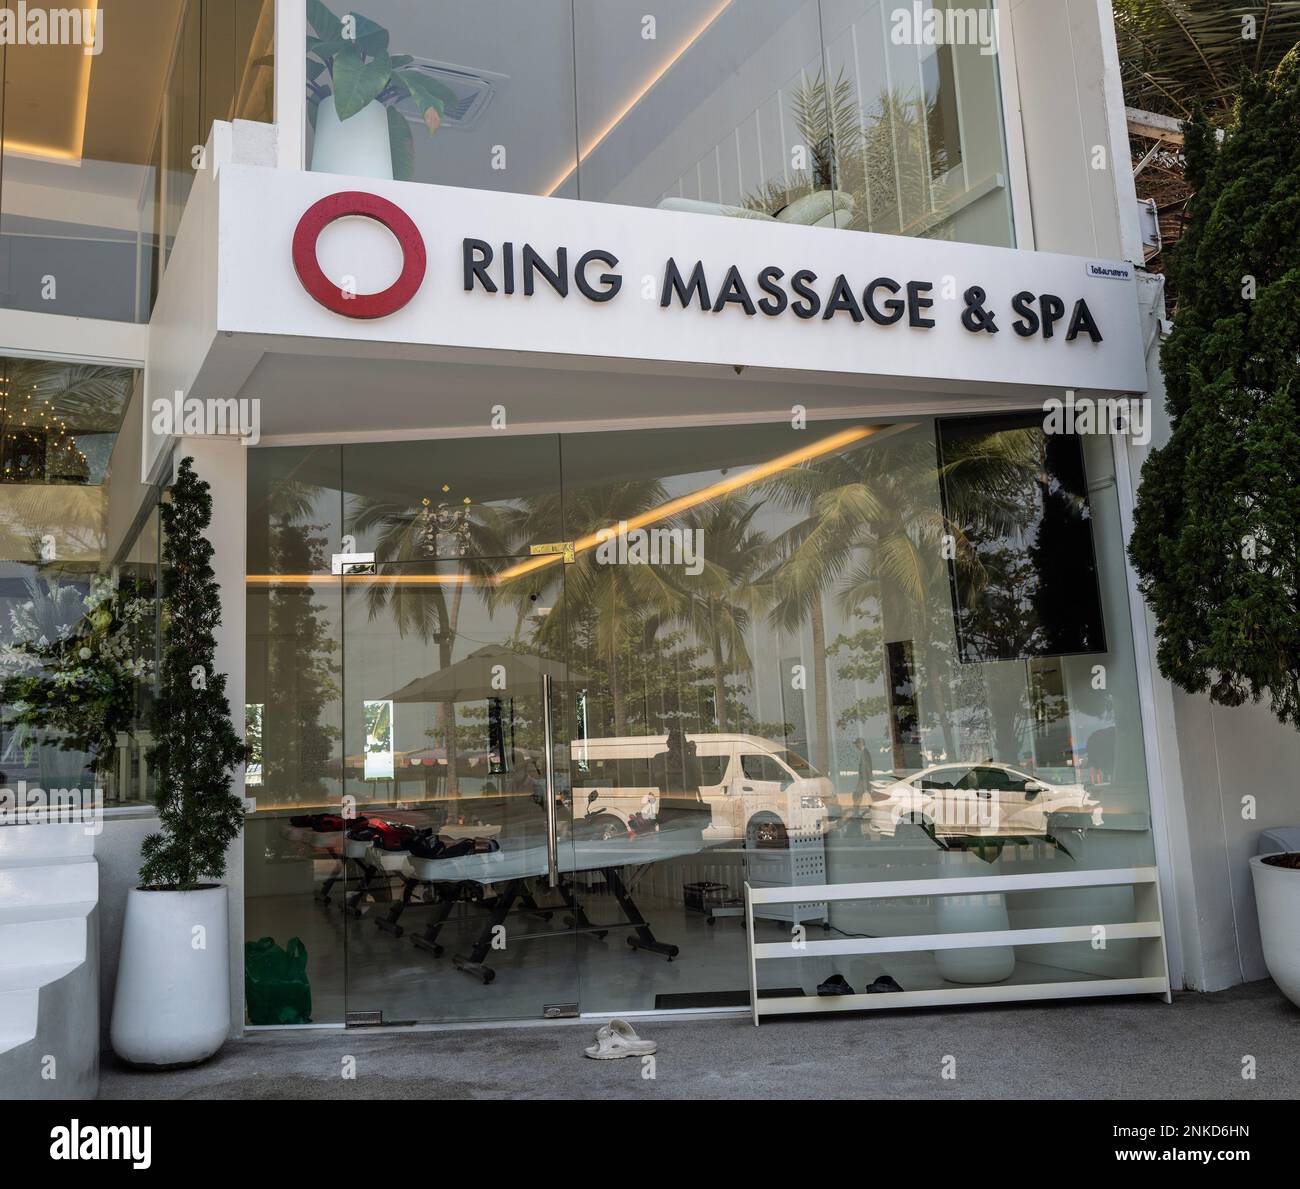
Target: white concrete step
<point x="60" y="840"/>
<point x="47" y="889"/>
<point x="33" y="942"/>
<point x="19" y="1012"/>
<point x="35" y="976"/>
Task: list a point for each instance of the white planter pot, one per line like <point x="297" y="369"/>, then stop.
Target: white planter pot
<point x="985" y="913"/>
<point x="1277" y="899"/>
<point x="358" y="145"/>
<point x="172" y="1004"/>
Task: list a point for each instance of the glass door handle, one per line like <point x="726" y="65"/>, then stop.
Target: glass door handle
<point x="552" y="842"/>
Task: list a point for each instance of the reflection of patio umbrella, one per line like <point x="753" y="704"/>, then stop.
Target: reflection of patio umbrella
<point x="489" y="672"/>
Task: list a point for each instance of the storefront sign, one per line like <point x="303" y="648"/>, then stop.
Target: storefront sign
<point x="345" y="301"/>
<point x="525" y="274"/>
<point x="1038" y="313"/>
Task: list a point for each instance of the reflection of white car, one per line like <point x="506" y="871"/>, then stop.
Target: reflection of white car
<point x="974" y="800"/>
<point x="755" y="788"/>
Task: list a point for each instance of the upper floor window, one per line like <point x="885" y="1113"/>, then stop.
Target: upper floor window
<point x="104" y="119"/>
<point x="826" y="113"/>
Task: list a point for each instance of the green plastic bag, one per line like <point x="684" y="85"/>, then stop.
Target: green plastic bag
<point x="275" y="982"/>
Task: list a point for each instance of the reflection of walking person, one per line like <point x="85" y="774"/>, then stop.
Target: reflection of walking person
<point x="1101" y="755"/>
<point x="676" y="773"/>
<point x="864" y="771"/>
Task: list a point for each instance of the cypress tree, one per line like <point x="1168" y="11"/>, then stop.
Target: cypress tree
<point x="1218" y="513"/>
<point x="195" y="746"/>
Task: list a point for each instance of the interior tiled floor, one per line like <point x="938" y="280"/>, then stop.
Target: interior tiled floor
<point x="354" y="966"/>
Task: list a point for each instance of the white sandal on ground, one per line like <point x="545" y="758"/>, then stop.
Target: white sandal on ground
<point x="617" y="1039"/>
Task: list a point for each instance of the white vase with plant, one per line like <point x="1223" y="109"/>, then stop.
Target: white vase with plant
<point x="354" y="89"/>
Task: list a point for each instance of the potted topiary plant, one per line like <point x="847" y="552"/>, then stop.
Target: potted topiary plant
<point x="1277" y="900"/>
<point x="354" y="87"/>
<point x="172" y="1005"/>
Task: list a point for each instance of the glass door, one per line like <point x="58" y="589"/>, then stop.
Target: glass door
<point x="455" y="753"/>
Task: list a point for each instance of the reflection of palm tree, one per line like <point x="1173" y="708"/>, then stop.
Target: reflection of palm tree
<point x="74" y="515"/>
<point x="614" y="603"/>
<point x="472" y="538"/>
<point x="720" y="601"/>
<point x="838" y="503"/>
<point x="872" y="528"/>
<point x="90" y="397"/>
<point x="301" y="667"/>
<point x="882" y="162"/>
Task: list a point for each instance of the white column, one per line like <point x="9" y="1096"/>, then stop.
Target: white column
<point x="291" y="82"/>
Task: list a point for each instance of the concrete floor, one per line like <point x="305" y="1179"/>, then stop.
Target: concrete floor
<point x="1126" y="1048"/>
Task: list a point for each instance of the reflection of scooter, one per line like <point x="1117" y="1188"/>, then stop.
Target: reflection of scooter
<point x="598" y="825"/>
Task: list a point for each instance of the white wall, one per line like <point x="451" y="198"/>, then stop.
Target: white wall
<point x="1071" y="106"/>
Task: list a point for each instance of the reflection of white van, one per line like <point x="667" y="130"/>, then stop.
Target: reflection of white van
<point x="756" y="790"/>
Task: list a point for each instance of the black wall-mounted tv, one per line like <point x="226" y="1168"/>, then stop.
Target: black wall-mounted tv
<point x="1021" y="559"/>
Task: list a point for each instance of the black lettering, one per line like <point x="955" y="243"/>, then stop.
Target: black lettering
<point x="842" y="298"/>
<point x="811" y="305"/>
<point x="477" y="255"/>
<point x="508" y="267"/>
<point x="1081" y="319"/>
<point x="893" y="305"/>
<point x="767" y="283"/>
<point x="673" y="283"/>
<point x="1023" y="304"/>
<point x="1053" y="310"/>
<point x="733" y="289"/>
<point x="916" y="303"/>
<point x="557" y="278"/>
<point x="611" y="281"/>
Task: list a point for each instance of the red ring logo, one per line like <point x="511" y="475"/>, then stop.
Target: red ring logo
<point x="320" y="215"/>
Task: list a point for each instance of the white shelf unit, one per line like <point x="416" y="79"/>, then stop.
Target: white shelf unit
<point x="1148" y="928"/>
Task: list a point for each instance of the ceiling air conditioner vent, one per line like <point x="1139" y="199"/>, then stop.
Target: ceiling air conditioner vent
<point x="474" y="91"/>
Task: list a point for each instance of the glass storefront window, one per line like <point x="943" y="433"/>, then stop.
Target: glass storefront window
<point x="919" y="143"/>
<point x="78" y="642"/>
<point x="716" y="108"/>
<point x="479" y="95"/>
<point x="812" y="113"/>
<point x="862" y="651"/>
<point x="100" y="137"/>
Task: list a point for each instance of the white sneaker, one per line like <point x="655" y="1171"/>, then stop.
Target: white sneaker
<point x="617" y="1039"/>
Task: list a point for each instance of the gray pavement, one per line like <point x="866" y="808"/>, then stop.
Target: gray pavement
<point x="1126" y="1048"/>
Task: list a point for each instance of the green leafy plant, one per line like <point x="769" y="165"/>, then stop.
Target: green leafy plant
<point x="196" y="747"/>
<point x="1214" y="541"/>
<point x="1173" y="53"/>
<point x="348" y="57"/>
<point x="71" y="668"/>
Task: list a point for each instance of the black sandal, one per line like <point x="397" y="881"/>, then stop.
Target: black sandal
<point x="837" y="984"/>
